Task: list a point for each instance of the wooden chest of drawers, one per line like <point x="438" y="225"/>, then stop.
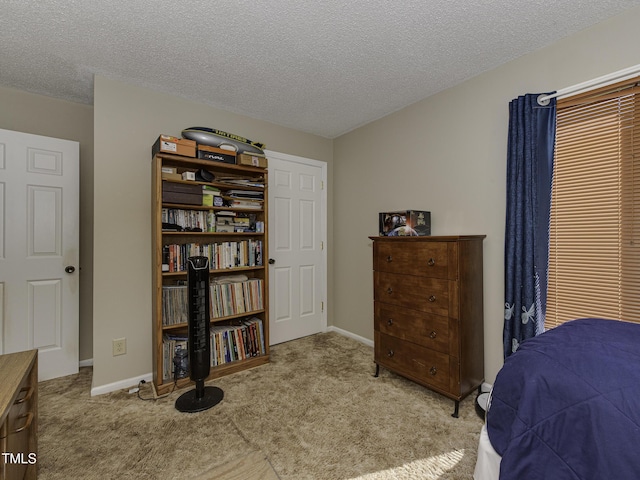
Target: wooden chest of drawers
<point x="428" y="311"/>
<point x="18" y="415"/>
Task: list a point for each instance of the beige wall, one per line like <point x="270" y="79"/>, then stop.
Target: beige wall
<point x="447" y="154"/>
<point x="40" y="115"/>
<point x="127" y="122"/>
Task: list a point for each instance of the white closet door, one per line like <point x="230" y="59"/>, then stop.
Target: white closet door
<point x="297" y="225"/>
<point x="39" y="250"/>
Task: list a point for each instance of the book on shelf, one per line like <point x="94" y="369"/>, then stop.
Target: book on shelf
<point x="236" y="203"/>
<point x="223" y="220"/>
<point x="229" y="295"/>
<point x="250" y="194"/>
<point x="211" y="190"/>
<point x="209" y="195"/>
<point x="235" y="224"/>
<point x="175" y="305"/>
<point x="235" y="298"/>
<point x="221" y="255"/>
<point x="230" y="343"/>
<point x="176" y="219"/>
<point x="245" y="181"/>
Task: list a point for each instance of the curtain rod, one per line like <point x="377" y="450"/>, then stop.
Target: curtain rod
<point x="602" y="81"/>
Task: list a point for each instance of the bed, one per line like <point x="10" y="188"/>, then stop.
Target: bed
<point x="566" y="405"/>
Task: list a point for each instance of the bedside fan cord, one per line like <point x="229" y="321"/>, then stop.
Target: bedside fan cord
<point x="154" y="397"/>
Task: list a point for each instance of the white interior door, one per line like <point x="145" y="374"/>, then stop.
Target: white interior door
<point x="39" y="241"/>
<point x="297" y="235"/>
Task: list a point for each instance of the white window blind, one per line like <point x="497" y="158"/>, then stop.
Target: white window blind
<point x="594" y="254"/>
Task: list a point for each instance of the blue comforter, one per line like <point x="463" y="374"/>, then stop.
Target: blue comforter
<point x="566" y="405"/>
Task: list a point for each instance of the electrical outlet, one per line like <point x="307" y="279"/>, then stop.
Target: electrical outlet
<point x="119" y="346"/>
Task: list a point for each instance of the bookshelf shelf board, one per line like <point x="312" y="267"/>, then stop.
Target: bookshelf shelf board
<point x="179" y="326"/>
<point x="239" y="315"/>
<point x="208" y="208"/>
<point x="179" y="161"/>
<point x="215" y="234"/>
<point x="235" y="186"/>
<point x="217" y="372"/>
<point x="220" y="270"/>
<point x="220" y="185"/>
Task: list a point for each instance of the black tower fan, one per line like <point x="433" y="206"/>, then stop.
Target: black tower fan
<point x="202" y="398"/>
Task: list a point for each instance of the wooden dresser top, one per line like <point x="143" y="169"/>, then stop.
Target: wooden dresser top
<point x="428" y="238"/>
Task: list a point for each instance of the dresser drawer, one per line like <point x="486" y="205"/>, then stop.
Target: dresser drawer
<point x="431" y="331"/>
<point x="411" y="258"/>
<point x="16" y="432"/>
<point x="414" y="361"/>
<point x="426" y="294"/>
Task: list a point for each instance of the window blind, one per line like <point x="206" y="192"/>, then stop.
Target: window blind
<point x="594" y="234"/>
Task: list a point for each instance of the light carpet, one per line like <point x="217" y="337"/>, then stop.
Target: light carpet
<point x="254" y="466"/>
<point x="314" y="412"/>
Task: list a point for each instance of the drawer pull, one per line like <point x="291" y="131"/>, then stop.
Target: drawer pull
<point x="432" y="335"/>
<point x="27" y="396"/>
<point x="389" y="259"/>
<point x="431" y="262"/>
<point x="389" y="290"/>
<point x="432" y="298"/>
<point x="27" y="424"/>
<point x="390" y="353"/>
<point x="390" y="322"/>
<point x="433" y="370"/>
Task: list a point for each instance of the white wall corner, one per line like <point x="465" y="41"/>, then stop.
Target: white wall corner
<point x="346" y="333"/>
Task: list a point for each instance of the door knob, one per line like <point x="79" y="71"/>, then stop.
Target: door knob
<point x="271" y="261"/>
<point x="69" y="269"/>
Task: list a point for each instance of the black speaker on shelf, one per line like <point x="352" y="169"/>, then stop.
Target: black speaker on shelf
<point x="202" y="398"/>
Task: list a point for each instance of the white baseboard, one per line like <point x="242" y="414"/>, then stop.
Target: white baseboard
<point x="86" y="363"/>
<point x="120" y="385"/>
<point x="346" y="333"/>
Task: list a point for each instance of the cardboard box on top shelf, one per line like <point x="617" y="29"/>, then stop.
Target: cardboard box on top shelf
<point x="252" y="159"/>
<point x="178" y="146"/>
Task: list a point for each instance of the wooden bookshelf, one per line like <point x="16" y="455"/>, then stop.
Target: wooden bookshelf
<point x="188" y="241"/>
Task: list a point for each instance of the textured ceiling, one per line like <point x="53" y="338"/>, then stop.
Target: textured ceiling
<point x="323" y="66"/>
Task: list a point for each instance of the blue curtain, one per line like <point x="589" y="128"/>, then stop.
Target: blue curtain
<point x="532" y="130"/>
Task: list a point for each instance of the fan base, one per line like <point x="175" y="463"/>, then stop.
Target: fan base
<point x="190" y="403"/>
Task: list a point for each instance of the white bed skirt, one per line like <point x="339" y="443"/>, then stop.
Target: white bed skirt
<point x="488" y="463"/>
